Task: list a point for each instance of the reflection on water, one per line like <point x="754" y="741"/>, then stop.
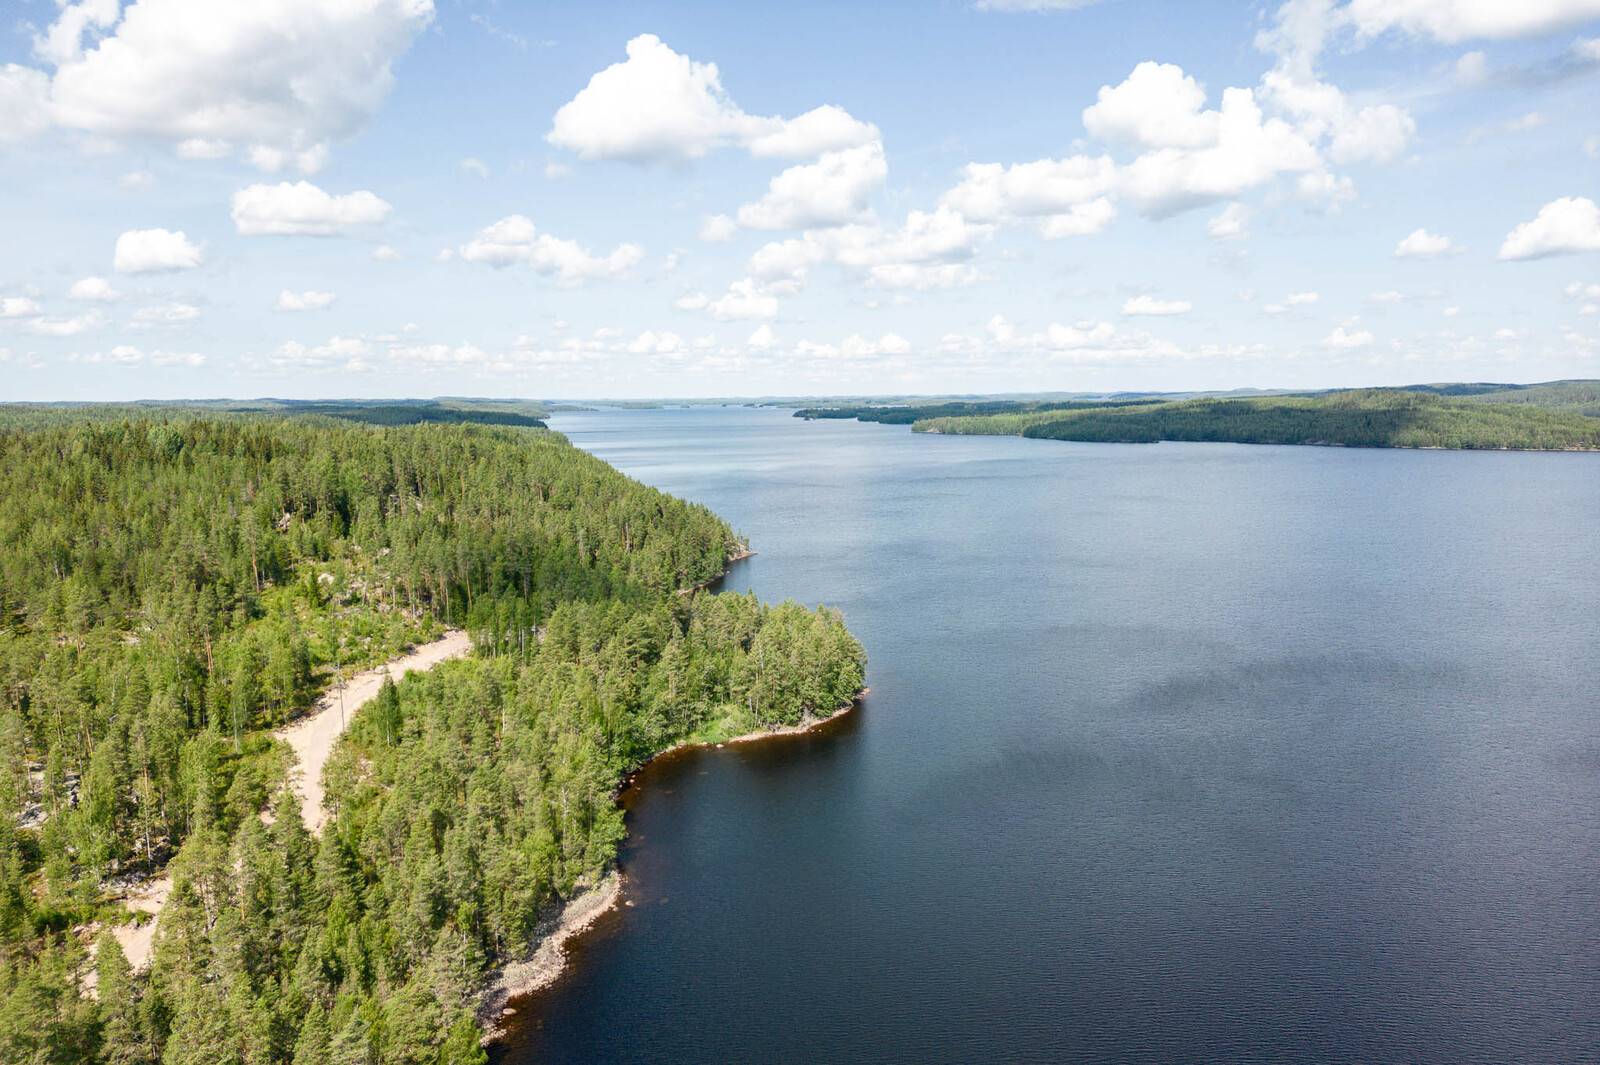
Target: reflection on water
<point x="1175" y="752"/>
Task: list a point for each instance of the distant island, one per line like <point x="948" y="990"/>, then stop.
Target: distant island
<point x="1560" y="416"/>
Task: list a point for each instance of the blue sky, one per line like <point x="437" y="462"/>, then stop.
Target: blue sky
<point x="404" y="197"/>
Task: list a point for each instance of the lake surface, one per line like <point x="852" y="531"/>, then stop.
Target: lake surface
<point x="1183" y="752"/>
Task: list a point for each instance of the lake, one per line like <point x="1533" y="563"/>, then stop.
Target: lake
<point x="1175" y="752"/>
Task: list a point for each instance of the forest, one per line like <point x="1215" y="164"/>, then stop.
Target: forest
<point x="1557" y="415"/>
<point x="174" y="585"/>
<point x="1358" y="418"/>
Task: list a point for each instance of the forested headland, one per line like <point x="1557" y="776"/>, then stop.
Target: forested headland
<point x="1557" y="416"/>
<point x="174" y="586"/>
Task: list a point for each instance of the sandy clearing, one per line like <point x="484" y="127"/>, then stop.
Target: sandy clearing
<point x="312" y="739"/>
<point x="313" y="736"/>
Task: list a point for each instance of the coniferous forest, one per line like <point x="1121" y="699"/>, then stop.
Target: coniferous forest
<point x="174" y="587"/>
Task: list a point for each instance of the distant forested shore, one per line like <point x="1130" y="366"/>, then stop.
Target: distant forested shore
<point x="177" y="583"/>
<point x="1562" y="416"/>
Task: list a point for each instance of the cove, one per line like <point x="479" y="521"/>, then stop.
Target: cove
<point x="1176" y="752"/>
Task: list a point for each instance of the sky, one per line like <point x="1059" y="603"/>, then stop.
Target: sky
<point x="385" y="198"/>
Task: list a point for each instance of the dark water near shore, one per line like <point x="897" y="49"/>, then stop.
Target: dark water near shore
<point x="1185" y="752"/>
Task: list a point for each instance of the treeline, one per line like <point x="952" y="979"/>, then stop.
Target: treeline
<point x="172" y="590"/>
<point x="907" y="415"/>
<point x="1362" y="418"/>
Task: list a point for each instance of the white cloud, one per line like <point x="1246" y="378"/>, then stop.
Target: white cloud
<point x="819" y="131"/>
<point x="832" y="191"/>
<point x="656" y="105"/>
<point x="1390" y="296"/>
<point x="1232" y="224"/>
<point x="695" y="301"/>
<point x="1157" y="106"/>
<point x="1250" y="149"/>
<point x="137" y="181"/>
<point x="515" y="240"/>
<point x="1340" y="338"/>
<point x="1564" y="226"/>
<point x="990" y="192"/>
<point x="19" y="307"/>
<point x="1579" y="291"/>
<point x="303" y="208"/>
<point x="556" y="171"/>
<point x="93" y="290"/>
<point x="659" y="106"/>
<point x="149" y="251"/>
<point x="386" y="254"/>
<point x="1084" y="219"/>
<point x="128" y="355"/>
<point x="24" y="103"/>
<point x="929" y="252"/>
<point x="305" y="301"/>
<point x="762" y="339"/>
<point x="66" y="327"/>
<point x="167" y="314"/>
<point x="473" y="166"/>
<point x="1291" y="301"/>
<point x="1451" y="21"/>
<point x="348" y="353"/>
<point x="1149" y="305"/>
<point x="1420" y="244"/>
<point x="718" y="229"/>
<point x="745" y="299"/>
<point x="278" y="78"/>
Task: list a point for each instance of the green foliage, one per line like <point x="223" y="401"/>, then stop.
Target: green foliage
<point x="173" y="589"/>
<point x="1369" y="418"/>
<point x="909" y="414"/>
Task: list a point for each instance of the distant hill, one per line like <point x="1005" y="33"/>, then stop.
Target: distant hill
<point x="1363" y="418"/>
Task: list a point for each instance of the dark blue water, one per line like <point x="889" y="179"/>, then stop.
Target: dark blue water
<point x="1185" y="752"/>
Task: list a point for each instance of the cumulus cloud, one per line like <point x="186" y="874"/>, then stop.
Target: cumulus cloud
<point x="1157" y="106"/>
<point x="24" y="103"/>
<point x="1563" y="227"/>
<point x="1151" y="306"/>
<point x="819" y="131"/>
<point x="153" y="251"/>
<point x="832" y="191"/>
<point x="1420" y="244"/>
<point x="1451" y="21"/>
<point x="1232" y="224"/>
<point x="19" y="307"/>
<point x="1291" y="301"/>
<point x="385" y="254"/>
<point x="305" y="301"/>
<point x="745" y="299"/>
<point x="279" y="79"/>
<point x="1341" y="338"/>
<point x="302" y="208"/>
<point x="93" y="290"/>
<point x="931" y="251"/>
<point x="128" y="355"/>
<point x="167" y="314"/>
<point x="762" y="339"/>
<point x="718" y="229"/>
<point x="66" y="327"/>
<point x="515" y="240"/>
<point x="659" y="106"/>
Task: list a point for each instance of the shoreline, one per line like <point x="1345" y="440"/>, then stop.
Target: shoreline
<point x="541" y="968"/>
<point x="703" y="585"/>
